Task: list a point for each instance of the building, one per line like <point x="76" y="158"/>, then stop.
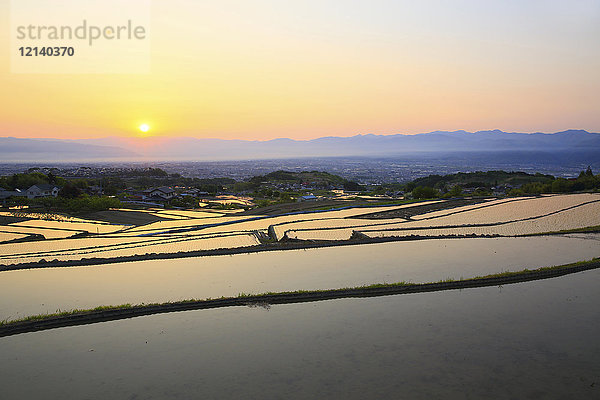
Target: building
<point x="42" y="190"/>
<point x="161" y="193"/>
<point x="309" y="197"/>
<point x="5" y="194"/>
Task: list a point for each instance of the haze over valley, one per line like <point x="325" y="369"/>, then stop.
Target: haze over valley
<point x="565" y="144"/>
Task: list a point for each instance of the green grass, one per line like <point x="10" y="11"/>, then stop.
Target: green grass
<point x="58" y="314"/>
<point x="537" y="270"/>
<point x="589" y="229"/>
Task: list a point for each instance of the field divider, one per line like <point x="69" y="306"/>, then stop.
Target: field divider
<point x="113" y="313"/>
<point x="292" y="244"/>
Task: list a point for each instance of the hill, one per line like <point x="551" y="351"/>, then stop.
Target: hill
<point x="313" y="178"/>
<point x="482" y="179"/>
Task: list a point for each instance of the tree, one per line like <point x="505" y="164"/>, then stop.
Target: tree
<point x="456" y="191"/>
<point x="23" y="181"/>
<point x="69" y="191"/>
<point x="409" y="187"/>
<point x="560" y="185"/>
<point x="425" y="192"/>
<point x="352" y="186"/>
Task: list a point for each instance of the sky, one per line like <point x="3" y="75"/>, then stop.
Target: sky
<point x="264" y="69"/>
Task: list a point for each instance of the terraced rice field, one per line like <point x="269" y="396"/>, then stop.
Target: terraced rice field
<point x="175" y="214"/>
<point x="27" y="293"/>
<point x="41" y="216"/>
<point x="509" y="211"/>
<point x="579" y="217"/>
<point x="77" y="249"/>
<point x="110" y="240"/>
<point x="253" y="223"/>
<point x="203" y="230"/>
<point x="162" y="226"/>
<point x="47" y="233"/>
<point x="441" y="213"/>
<point x="506" y="217"/>
<point x="91" y="227"/>
<point x="5" y="236"/>
<point x="48" y="248"/>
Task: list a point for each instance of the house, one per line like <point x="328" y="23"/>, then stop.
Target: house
<point x="42" y="190"/>
<point x="5" y="194"/>
<point x="161" y="193"/>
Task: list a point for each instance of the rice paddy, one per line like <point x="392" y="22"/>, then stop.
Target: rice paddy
<point x="33" y="291"/>
<point x="506" y="217"/>
<point x="91" y="227"/>
<point x="5" y="236"/>
<point x="193" y="230"/>
<point x="47" y="233"/>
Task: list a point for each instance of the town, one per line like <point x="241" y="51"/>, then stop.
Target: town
<point x="86" y="189"/>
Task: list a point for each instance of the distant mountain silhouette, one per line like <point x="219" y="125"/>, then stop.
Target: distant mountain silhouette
<point x="15" y="149"/>
<point x="185" y="148"/>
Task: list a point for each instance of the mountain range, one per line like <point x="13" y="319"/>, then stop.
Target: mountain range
<point x="369" y="145"/>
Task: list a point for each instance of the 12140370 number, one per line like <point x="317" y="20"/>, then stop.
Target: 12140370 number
<point x="46" y="51"/>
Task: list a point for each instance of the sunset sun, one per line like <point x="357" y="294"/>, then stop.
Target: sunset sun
<point x="144" y="128"/>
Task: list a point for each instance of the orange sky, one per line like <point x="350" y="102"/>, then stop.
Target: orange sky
<point x="238" y="69"/>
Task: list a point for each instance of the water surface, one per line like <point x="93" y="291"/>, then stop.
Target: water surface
<point x="535" y="340"/>
<point x="37" y="291"/>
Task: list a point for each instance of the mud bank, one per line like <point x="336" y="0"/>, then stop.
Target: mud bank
<point x="125" y="312"/>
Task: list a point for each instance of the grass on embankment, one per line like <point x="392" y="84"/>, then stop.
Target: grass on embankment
<point x="78" y="317"/>
<point x="588" y="229"/>
<point x="58" y="314"/>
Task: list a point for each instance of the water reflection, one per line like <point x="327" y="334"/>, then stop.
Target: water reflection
<point x="528" y="340"/>
<point x="46" y="290"/>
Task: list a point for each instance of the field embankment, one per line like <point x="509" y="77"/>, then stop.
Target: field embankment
<point x="111" y="313"/>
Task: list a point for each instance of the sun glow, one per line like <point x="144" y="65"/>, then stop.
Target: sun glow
<point x="144" y="128"/>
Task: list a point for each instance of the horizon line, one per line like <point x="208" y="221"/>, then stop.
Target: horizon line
<point x="150" y="137"/>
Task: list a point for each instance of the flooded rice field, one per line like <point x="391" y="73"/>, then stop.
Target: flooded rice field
<point x="42" y="216"/>
<point x="331" y="224"/>
<point x="27" y="292"/>
<point x="74" y="226"/>
<point x="510" y="211"/>
<point x="24" y="292"/>
<point x="178" y="214"/>
<point x="6" y="236"/>
<point x="508" y="218"/>
<point x="111" y="247"/>
<point x="489" y="202"/>
<point x="163" y="226"/>
<point x="579" y="217"/>
<point x="169" y="231"/>
<point x="528" y="340"/>
<point x="195" y="230"/>
<point x="47" y="233"/>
